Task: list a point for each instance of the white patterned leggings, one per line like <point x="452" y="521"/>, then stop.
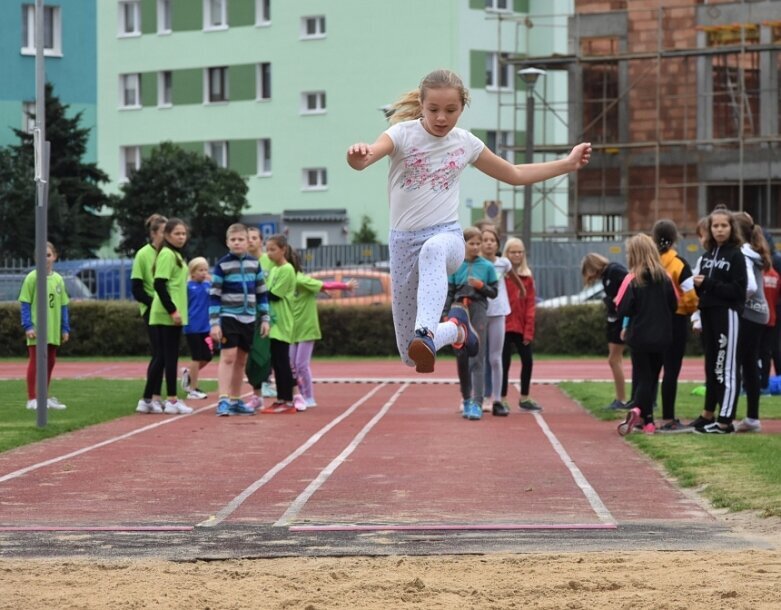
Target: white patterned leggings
<point x="420" y="262"/>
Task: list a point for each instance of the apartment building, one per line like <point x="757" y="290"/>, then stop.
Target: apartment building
<point x="70" y="63"/>
<point x="278" y="89"/>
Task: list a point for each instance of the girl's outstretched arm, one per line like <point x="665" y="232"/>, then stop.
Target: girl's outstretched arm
<point x="361" y="155"/>
<point x="529" y="173"/>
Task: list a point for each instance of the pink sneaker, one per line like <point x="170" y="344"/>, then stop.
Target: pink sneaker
<point x="299" y="403"/>
<point x="632" y="417"/>
<point x="256" y="402"/>
<point x="649" y="428"/>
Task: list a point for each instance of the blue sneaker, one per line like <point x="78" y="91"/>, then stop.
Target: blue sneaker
<point x="471" y="344"/>
<point x="223" y="408"/>
<point x="239" y="408"/>
<point x="475" y="411"/>
<point x="465" y="408"/>
<point x="422" y="351"/>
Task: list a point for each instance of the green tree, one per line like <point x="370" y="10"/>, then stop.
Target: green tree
<point x="365" y="234"/>
<point x="182" y="184"/>
<point x="76" y="199"/>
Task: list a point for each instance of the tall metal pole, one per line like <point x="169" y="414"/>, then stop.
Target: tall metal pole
<point x="41" y="150"/>
<point x="529" y="77"/>
<point x="526" y="232"/>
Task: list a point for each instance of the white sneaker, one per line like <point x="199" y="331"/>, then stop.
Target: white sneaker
<point x="176" y="407"/>
<point x="157" y="406"/>
<point x="144" y="406"/>
<point x="55" y="404"/>
<point x="268" y="390"/>
<point x="310" y="402"/>
<point x="487" y="404"/>
<point x="186" y="379"/>
<point x="749" y="425"/>
<point x="32" y="404"/>
<point x="255" y="402"/>
<point x="196" y="394"/>
<point x="299" y="403"/>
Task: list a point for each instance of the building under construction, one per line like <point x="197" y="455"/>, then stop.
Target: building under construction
<point x="681" y="103"/>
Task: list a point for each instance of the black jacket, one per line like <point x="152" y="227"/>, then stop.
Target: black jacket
<point x="725" y="279"/>
<point x="650" y="309"/>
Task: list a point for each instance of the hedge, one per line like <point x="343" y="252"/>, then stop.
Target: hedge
<point x="114" y="328"/>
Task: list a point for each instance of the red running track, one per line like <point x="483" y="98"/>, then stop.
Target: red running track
<point x="384" y="455"/>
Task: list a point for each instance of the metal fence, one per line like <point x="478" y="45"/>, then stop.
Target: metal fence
<point x="555" y="264"/>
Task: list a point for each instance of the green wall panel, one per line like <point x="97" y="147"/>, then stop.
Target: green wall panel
<point x="195" y="147"/>
<point x="187" y="16"/>
<point x="241" y="12"/>
<point x="146" y="151"/>
<point x="149" y="88"/>
<point x="148" y="16"/>
<point x="521" y="6"/>
<point x="477" y="69"/>
<point x="477" y="4"/>
<point x="243" y="157"/>
<point x="188" y="86"/>
<point x="241" y="82"/>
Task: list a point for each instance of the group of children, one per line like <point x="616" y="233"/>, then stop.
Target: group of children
<point x="498" y="293"/>
<point x="731" y="297"/>
<point x="257" y="308"/>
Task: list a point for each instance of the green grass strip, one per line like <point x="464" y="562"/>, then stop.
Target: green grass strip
<point x="735" y="472"/>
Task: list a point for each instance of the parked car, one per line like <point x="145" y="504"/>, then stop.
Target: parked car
<point x="590" y="294"/>
<point x="11" y="285"/>
<point x="105" y="278"/>
<point x="374" y="286"/>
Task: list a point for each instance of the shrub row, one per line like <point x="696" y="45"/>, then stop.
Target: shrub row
<point x="114" y="328"/>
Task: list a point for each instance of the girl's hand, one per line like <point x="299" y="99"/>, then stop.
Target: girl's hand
<point x="475" y="283"/>
<point x="352" y="285"/>
<point x="698" y="279"/>
<point x="580" y="155"/>
<point x="30" y="334"/>
<point x="65" y="337"/>
<point x="264" y="328"/>
<point x="216" y="334"/>
<point x="177" y="318"/>
<point x="623" y="334"/>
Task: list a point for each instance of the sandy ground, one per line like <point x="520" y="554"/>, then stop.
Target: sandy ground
<point x="643" y="579"/>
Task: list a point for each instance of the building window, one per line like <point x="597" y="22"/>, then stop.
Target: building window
<point x="164" y="17"/>
<point x="264" y="157"/>
<point x="313" y="102"/>
<point x="217" y="85"/>
<point x="315" y="179"/>
<point x="499" y="141"/>
<point x="264" y="81"/>
<point x="601" y="103"/>
<point x="130" y="18"/>
<point x="497" y="5"/>
<point x="215" y="14"/>
<point x="313" y="27"/>
<point x="498" y="75"/>
<point x="130" y="90"/>
<point x="217" y="152"/>
<point x="262" y="12"/>
<point x="164" y="88"/>
<point x="52" y="30"/>
<point x="28" y="116"/>
<point x="609" y="226"/>
<point x="129" y="161"/>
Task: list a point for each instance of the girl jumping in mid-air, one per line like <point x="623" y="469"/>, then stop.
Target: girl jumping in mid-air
<point x="428" y="153"/>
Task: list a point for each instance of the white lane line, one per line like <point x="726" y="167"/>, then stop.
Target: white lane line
<point x="580" y="480"/>
<point x="23" y="471"/>
<point x="234" y="504"/>
<point x="295" y="507"/>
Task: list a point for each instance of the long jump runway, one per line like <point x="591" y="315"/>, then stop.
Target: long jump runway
<point x="381" y="466"/>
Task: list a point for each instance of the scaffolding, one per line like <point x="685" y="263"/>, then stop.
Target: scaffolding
<point x="680" y="102"/>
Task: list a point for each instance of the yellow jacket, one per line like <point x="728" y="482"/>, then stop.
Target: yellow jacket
<point x="681" y="274"/>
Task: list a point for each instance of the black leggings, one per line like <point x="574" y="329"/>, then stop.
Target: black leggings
<point x="280" y="362"/>
<point x="673" y="359"/>
<point x="515" y="341"/>
<point x="748" y="350"/>
<point x="646" y="367"/>
<point x="165" y="358"/>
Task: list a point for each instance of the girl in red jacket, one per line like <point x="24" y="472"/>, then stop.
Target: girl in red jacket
<point x="519" y="324"/>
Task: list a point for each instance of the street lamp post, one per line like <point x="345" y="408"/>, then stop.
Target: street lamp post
<point x="529" y="77"/>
